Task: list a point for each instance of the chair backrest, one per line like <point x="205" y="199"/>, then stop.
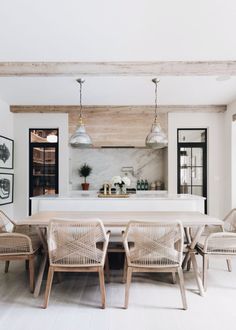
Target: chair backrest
<point x="230" y="221"/>
<point x="6" y="224"/>
<point x="76" y="243"/>
<point x="154" y="244"/>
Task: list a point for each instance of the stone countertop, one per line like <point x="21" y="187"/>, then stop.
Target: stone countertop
<point x="140" y="195"/>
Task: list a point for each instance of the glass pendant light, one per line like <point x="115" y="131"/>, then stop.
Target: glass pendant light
<point x="157" y="138"/>
<point x="80" y="139"/>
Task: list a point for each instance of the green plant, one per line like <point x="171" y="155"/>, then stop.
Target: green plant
<point x="84" y="171"/>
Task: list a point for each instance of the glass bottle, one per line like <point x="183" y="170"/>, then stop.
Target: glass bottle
<point x="142" y="185"/>
<point x="138" y="185"/>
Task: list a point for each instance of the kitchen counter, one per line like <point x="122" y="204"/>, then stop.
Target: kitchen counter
<point x="141" y="201"/>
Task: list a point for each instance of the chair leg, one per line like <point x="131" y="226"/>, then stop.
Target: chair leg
<point x="182" y="288"/>
<point x="102" y="287"/>
<point x="229" y="265"/>
<point x="128" y="281"/>
<point x="204" y="271"/>
<point x="31" y="273"/>
<point x="189" y="265"/>
<point x="7" y="263"/>
<point x="48" y="286"/>
<point x="107" y="268"/>
<point x="125" y="270"/>
<point x="173" y="277"/>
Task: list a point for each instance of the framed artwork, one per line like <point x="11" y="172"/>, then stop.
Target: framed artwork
<point x="6" y="188"/>
<point x="6" y="152"/>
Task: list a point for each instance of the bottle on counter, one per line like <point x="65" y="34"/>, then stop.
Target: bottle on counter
<point x="146" y="184"/>
<point x="138" y="187"/>
<point x="142" y="185"/>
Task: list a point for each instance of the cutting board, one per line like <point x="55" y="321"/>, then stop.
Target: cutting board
<point x="113" y="196"/>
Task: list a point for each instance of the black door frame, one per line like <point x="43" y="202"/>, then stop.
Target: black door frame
<point x="32" y="145"/>
<point x="202" y="145"/>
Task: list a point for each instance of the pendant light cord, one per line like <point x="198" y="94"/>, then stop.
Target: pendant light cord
<point x="155" y="102"/>
<point x="80" y="82"/>
<point x="155" y="81"/>
<point x="80" y="102"/>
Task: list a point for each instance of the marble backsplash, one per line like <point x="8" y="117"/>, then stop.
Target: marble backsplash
<point x="106" y="163"/>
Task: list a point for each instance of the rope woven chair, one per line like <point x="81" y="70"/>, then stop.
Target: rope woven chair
<point x="219" y="243"/>
<point x="16" y="245"/>
<point x="77" y="246"/>
<point x="154" y="247"/>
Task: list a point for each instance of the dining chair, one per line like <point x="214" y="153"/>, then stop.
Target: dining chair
<point x="77" y="246"/>
<point x="18" y="243"/>
<point x="154" y="247"/>
<point x="220" y="242"/>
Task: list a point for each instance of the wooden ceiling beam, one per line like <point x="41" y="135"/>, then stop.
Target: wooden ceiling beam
<point x="163" y="68"/>
<point x="123" y="109"/>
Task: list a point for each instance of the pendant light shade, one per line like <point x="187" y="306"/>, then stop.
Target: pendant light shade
<point x="156" y="138"/>
<point x="80" y="139"/>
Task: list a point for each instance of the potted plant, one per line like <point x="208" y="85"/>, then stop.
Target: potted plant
<point x="84" y="171"/>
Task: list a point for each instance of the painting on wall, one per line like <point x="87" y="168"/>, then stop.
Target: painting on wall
<point x="6" y="188"/>
<point x="6" y="152"/>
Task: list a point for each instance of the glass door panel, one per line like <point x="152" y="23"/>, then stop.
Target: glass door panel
<point x="192" y="167"/>
<point x="43" y="174"/>
<point x="44" y="171"/>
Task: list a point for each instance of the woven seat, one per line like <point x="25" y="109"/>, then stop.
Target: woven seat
<point x="76" y="246"/>
<point x="219" y="243"/>
<point x="154" y="247"/>
<point x="17" y="244"/>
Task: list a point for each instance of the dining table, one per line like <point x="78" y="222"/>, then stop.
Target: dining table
<point x="116" y="222"/>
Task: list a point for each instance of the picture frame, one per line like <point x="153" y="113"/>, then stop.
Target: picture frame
<point x="6" y="153"/>
<point x="6" y="188"/>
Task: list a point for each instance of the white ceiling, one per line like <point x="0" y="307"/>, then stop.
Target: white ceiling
<point x="117" y="91"/>
<point x="124" y="30"/>
<point x="105" y="30"/>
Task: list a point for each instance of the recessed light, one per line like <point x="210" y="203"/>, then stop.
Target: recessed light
<point x="223" y="78"/>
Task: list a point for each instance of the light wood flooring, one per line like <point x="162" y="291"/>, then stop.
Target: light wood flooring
<point x="155" y="303"/>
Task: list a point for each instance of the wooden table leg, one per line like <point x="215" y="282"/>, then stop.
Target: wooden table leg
<point x="185" y="261"/>
<point x="191" y="254"/>
<point x="197" y="274"/>
<point x="43" y="263"/>
<point x="40" y="276"/>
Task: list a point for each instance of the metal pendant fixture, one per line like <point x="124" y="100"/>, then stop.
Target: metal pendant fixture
<point x="80" y="139"/>
<point x="157" y="138"/>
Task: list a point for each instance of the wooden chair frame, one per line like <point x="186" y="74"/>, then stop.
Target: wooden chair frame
<point x="206" y="250"/>
<point x="18" y="247"/>
<point x="99" y="267"/>
<point x="130" y="268"/>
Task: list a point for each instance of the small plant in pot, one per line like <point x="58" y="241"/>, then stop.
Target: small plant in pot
<point x="84" y="171"/>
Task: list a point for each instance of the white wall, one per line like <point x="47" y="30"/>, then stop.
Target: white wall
<point x="6" y="129"/>
<point x="230" y="157"/>
<point x="22" y="124"/>
<point x="214" y="122"/>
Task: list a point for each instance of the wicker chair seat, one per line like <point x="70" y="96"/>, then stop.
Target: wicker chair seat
<point x="220" y="245"/>
<point x="68" y="257"/>
<point x="32" y="233"/>
<point x="153" y="257"/>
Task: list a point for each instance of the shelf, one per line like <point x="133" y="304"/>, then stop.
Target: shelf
<point x="37" y="175"/>
<point x="195" y="166"/>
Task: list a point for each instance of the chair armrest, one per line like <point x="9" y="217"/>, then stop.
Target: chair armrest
<point x="220" y="241"/>
<point x="15" y="243"/>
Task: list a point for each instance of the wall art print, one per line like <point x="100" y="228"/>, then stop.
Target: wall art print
<point x="6" y="188"/>
<point x="6" y="152"/>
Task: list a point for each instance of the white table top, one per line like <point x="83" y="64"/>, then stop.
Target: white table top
<point x="120" y="219"/>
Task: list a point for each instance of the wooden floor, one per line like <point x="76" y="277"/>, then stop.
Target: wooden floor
<point x="155" y="303"/>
